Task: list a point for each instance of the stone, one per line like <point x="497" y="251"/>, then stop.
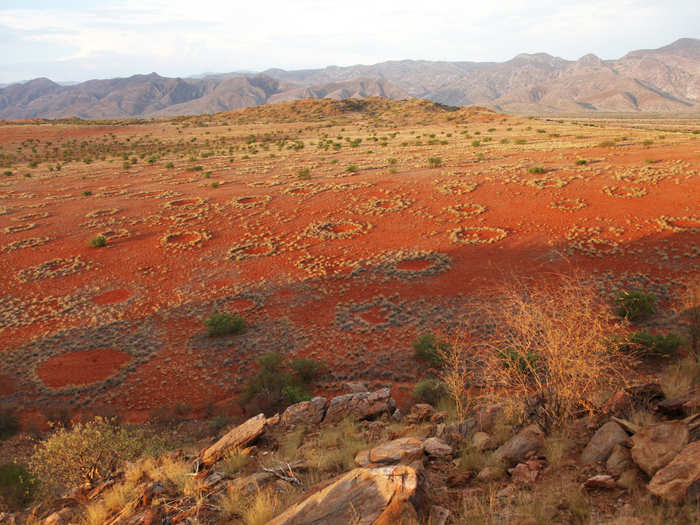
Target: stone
<point x="402" y="450"/>
<point x="439" y="417"/>
<point x="305" y="413"/>
<point x="523" y="474"/>
<point x="518" y="448"/>
<point x="354" y="387"/>
<point x="673" y="406"/>
<point x="600" y="482"/>
<point x="397" y="415"/>
<point x="362" y="405"/>
<point x="459" y="479"/>
<point x="482" y="441"/>
<point x="239" y="437"/>
<point x="362" y="496"/>
<point x="680" y="478"/>
<point x="488" y="474"/>
<point x="619" y="460"/>
<point x="250" y="484"/>
<point x="654" y="446"/>
<point x="437" y="448"/>
<point x="602" y="443"/>
<point x="438" y="515"/>
<point x="419" y="413"/>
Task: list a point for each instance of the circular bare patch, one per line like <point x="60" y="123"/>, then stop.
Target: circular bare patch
<point x="31" y="216"/>
<point x="336" y="229"/>
<point x="20" y="227"/>
<point x="252" y="248"/>
<point x="52" y="269"/>
<point x="456" y="188"/>
<point x="477" y="235"/>
<point x="376" y="206"/>
<point x="464" y="211"/>
<point x="625" y="192"/>
<point x="252" y="201"/>
<point x="31" y="242"/>
<point x="186" y="204"/>
<point x="568" y="204"/>
<point x="111" y="297"/>
<point x="184" y="239"/>
<point x="81" y="368"/>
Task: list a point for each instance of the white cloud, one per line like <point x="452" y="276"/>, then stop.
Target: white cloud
<point x="183" y="37"/>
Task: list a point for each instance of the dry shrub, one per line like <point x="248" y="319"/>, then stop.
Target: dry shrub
<point x="555" y="341"/>
<point x="690" y="316"/>
<point x="455" y="373"/>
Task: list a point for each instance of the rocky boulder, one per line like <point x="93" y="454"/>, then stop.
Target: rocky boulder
<point x="680" y="478"/>
<point x="619" y="460"/>
<point x="521" y="446"/>
<point x="402" y="450"/>
<point x="239" y="437"/>
<point x="361" y="496"/>
<point x="437" y="448"/>
<point x="654" y="446"/>
<point x="362" y="405"/>
<point x="305" y="413"/>
<point x="602" y="443"/>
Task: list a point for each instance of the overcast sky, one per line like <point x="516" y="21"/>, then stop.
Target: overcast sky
<point x="72" y="40"/>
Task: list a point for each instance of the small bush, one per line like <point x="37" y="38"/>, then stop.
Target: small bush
<point x="9" y="425"/>
<point x="581" y="162"/>
<point x="98" y="242"/>
<point x="635" y="305"/>
<point x="16" y="486"/>
<point x="476" y="143"/>
<point x="659" y="345"/>
<point x="303" y="174"/>
<point x="429" y="391"/>
<point x="170" y="165"/>
<point x="87" y="193"/>
<point x="307" y="369"/>
<point x="536" y="169"/>
<point x="352" y="168"/>
<point x="88" y="450"/>
<point x="224" y="324"/>
<point x="278" y="384"/>
<point x="435" y="162"/>
<point x="523" y="363"/>
<point x="427" y="348"/>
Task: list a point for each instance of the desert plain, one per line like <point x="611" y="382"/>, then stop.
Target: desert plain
<point x="339" y="230"/>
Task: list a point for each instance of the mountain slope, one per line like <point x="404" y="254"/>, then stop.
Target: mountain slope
<point x="664" y="80"/>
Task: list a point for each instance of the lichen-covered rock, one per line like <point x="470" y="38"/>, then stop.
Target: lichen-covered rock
<point x="518" y="448"/>
<point x="402" y="450"/>
<point x="437" y="448"/>
<point x="602" y="443"/>
<point x="305" y="413"/>
<point x="680" y="477"/>
<point x="239" y="437"/>
<point x="654" y="446"/>
<point x="361" y="496"/>
<point x="362" y="405"/>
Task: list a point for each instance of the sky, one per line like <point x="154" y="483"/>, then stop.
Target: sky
<point x="76" y="40"/>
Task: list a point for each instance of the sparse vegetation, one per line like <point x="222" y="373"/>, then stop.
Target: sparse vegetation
<point x="223" y="323"/>
<point x="635" y="305"/>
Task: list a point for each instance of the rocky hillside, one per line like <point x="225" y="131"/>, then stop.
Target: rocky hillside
<point x="153" y="95"/>
<point x="664" y="80"/>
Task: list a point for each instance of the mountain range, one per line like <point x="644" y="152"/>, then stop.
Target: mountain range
<point x="664" y="80"/>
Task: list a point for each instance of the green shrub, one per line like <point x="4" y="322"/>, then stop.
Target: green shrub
<point x="435" y="162"/>
<point x="170" y="165"/>
<point x="476" y="143"/>
<point x="16" y="486"/>
<point x="352" y="168"/>
<point x="536" y="169"/>
<point x="9" y="425"/>
<point x="92" y="449"/>
<point x="427" y="348"/>
<point x="278" y="384"/>
<point x="635" y="305"/>
<point x="581" y="162"/>
<point x="307" y="369"/>
<point x="429" y="391"/>
<point x="660" y="345"/>
<point x="303" y="173"/>
<point x="87" y="193"/>
<point x="98" y="242"/>
<point x="525" y="364"/>
<point x="224" y="324"/>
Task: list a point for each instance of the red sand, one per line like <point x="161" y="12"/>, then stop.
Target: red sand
<point x="307" y="286"/>
<point x="81" y="368"/>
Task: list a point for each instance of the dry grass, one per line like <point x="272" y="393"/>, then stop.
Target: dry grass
<point x="233" y="462"/>
<point x="554" y="341"/>
<point x="680" y="377"/>
<point x="115" y="499"/>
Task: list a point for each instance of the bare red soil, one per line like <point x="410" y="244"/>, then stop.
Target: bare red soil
<point x="348" y="267"/>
